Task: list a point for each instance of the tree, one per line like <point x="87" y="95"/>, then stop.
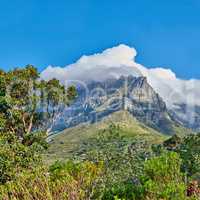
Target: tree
<point x="28" y="109"/>
<point x="189" y="150"/>
<point x="29" y="104"/>
<point x="15" y="157"/>
<point x="190" y="153"/>
<point x="172" y="143"/>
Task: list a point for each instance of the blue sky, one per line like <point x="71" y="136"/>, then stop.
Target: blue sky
<point x="44" y="32"/>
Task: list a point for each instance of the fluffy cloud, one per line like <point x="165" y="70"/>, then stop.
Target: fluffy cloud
<point x="120" y="60"/>
<point x="110" y="63"/>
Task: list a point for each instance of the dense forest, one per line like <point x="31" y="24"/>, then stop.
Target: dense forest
<point x="110" y="166"/>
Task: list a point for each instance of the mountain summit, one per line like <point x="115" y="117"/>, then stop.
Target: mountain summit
<point x="182" y="97"/>
<point x="99" y="99"/>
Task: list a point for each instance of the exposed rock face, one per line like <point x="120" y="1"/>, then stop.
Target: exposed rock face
<point x="99" y="99"/>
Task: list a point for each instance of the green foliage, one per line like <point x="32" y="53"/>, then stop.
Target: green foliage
<point x="86" y="174"/>
<point x="27" y="185"/>
<point x="28" y="103"/>
<point x="163" y="178"/>
<point x="122" y="158"/>
<point x="190" y="154"/>
<point x="14" y="157"/>
<point x="172" y="143"/>
<point x="62" y="181"/>
<point x="110" y="167"/>
<point x="125" y="190"/>
<point x="115" y="165"/>
<point x="23" y="98"/>
<point x="123" y="161"/>
<point x="189" y="150"/>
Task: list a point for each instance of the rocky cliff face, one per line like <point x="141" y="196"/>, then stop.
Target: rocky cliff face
<point x="99" y="99"/>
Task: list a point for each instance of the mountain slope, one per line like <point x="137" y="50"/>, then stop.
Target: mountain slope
<point x="68" y="141"/>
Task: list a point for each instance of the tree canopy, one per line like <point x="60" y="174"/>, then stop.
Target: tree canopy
<point x="29" y="104"/>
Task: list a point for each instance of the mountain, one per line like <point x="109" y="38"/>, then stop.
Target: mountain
<point x="68" y="141"/>
<point x="129" y="102"/>
<point x="181" y="96"/>
<point x="98" y="99"/>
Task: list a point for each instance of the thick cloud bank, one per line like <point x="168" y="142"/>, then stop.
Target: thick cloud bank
<point x="110" y="63"/>
<point x="120" y="60"/>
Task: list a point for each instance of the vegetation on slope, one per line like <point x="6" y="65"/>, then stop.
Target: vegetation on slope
<point x="116" y="160"/>
<point x="64" y="145"/>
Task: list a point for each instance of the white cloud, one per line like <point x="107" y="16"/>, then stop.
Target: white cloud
<point x="120" y="60"/>
<point x="110" y="63"/>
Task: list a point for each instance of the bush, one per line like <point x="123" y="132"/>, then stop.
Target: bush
<point x="163" y="178"/>
<point x="70" y="181"/>
<point x="126" y="190"/>
<point x="85" y="174"/>
<point x="14" y="157"/>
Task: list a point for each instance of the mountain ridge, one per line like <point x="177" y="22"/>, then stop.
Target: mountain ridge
<point x="99" y="99"/>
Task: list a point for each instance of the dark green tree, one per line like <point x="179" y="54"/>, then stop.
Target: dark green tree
<point x="28" y="109"/>
<point x="190" y="153"/>
<point x="29" y="104"/>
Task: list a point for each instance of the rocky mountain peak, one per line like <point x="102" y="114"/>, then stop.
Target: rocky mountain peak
<point x="99" y="99"/>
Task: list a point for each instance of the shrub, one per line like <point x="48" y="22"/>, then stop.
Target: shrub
<point x="14" y="157"/>
<point x="69" y="180"/>
<point x="163" y="179"/>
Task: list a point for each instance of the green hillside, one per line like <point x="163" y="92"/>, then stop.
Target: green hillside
<point x="65" y="143"/>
